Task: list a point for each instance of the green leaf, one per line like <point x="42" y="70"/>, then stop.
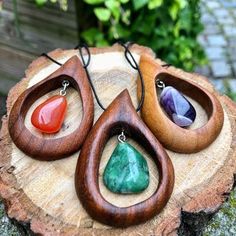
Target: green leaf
<point x="94" y="37"/>
<point x="124" y="1"/>
<point x="103" y="14"/>
<point x="161" y="31"/>
<point x="40" y="2"/>
<point x="102" y="43"/>
<point x="119" y="32"/>
<point x="139" y="4"/>
<point x="114" y="6"/>
<point x="173" y="10"/>
<point x="176" y="29"/>
<point x="152" y="4"/>
<point x="145" y="26"/>
<point x="90" y="35"/>
<point x="125" y="17"/>
<point x="111" y="4"/>
<point x="94" y="2"/>
<point x="182" y="3"/>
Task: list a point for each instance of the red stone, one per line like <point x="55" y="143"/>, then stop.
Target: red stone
<point x="48" y="117"/>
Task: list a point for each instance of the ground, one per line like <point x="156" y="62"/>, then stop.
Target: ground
<point x="224" y="222"/>
<point x="219" y="42"/>
<point x="7" y="228"/>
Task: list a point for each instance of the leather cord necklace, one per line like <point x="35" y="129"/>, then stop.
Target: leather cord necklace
<point x="166" y="113"/>
<point x="126" y="171"/>
<point x="48" y="117"/>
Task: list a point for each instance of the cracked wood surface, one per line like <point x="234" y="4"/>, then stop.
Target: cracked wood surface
<point x="43" y="194"/>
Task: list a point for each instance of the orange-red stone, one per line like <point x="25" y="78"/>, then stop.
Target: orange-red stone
<point x="48" y="117"/>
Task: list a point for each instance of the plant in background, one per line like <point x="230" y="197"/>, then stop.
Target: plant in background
<point x="169" y="27"/>
<point x="62" y="3"/>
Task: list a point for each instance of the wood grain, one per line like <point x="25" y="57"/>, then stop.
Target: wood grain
<point x="42" y="194"/>
<point x="121" y="115"/>
<point x="52" y="149"/>
<point x="167" y="132"/>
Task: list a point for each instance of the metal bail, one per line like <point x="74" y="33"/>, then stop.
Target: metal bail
<point x="121" y="138"/>
<point x="160" y="84"/>
<point x="65" y="84"/>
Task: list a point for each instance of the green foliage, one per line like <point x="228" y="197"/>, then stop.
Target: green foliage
<point x="40" y="2"/>
<point x="102" y="13"/>
<point x="169" y="27"/>
<point x="62" y="3"/>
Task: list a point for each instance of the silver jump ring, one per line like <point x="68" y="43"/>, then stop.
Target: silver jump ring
<point x="160" y="84"/>
<point x="65" y="84"/>
<point x="121" y="138"/>
<point x="63" y="92"/>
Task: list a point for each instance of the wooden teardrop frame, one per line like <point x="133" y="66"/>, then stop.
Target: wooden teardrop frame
<point x="168" y="133"/>
<point x="120" y="115"/>
<point x="53" y="149"/>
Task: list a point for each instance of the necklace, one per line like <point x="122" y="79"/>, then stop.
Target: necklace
<point x="127" y="170"/>
<point x="163" y="116"/>
<point x="48" y="116"/>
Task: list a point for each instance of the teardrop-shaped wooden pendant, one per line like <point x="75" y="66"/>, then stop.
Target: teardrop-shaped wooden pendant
<point x="120" y="115"/>
<point x="53" y="149"/>
<point x="167" y="132"/>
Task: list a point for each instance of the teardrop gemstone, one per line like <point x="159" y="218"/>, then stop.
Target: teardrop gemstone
<point x="48" y="117"/>
<point x="126" y="171"/>
<point x="177" y="107"/>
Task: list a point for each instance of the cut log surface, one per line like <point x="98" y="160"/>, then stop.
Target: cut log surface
<point x="43" y="193"/>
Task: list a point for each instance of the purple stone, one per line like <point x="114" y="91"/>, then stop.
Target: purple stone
<point x="177" y="107"/>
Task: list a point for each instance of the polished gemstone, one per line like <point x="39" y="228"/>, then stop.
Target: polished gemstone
<point x="177" y="107"/>
<point x="126" y="171"/>
<point x="48" y="117"/>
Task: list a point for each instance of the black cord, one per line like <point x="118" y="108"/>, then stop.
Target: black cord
<point x="166" y="65"/>
<point x="86" y="70"/>
<point x="128" y="55"/>
<point x="136" y="67"/>
<point x="50" y="58"/>
<point x="133" y="64"/>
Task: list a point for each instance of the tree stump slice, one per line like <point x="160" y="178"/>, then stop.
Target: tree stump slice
<point x="43" y="193"/>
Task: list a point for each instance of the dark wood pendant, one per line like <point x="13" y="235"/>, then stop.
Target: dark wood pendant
<point x="167" y="132"/>
<point x="53" y="149"/>
<point x="120" y="115"/>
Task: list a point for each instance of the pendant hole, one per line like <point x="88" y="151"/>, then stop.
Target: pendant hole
<point x="125" y="200"/>
<point x="73" y="114"/>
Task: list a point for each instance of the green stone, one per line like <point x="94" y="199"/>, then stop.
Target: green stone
<point x="126" y="171"/>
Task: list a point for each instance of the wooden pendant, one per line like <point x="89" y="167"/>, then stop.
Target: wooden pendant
<point x="53" y="149"/>
<point x="120" y="115"/>
<point x="168" y="133"/>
